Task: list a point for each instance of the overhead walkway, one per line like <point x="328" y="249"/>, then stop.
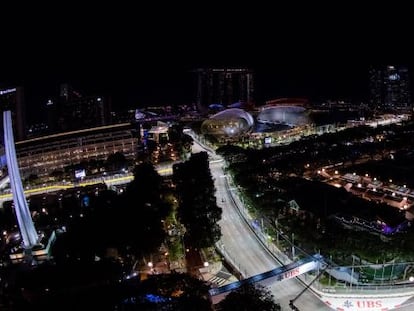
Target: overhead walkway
<point x="279" y="274"/>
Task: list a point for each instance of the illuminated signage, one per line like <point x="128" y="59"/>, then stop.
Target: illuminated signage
<point x="371" y="303"/>
<point x="291" y="274"/>
<point x="299" y="270"/>
<point x="6" y="91"/>
<point x="80" y="173"/>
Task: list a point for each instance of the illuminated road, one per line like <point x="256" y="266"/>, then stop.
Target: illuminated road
<point x="112" y="180"/>
<point x="245" y="251"/>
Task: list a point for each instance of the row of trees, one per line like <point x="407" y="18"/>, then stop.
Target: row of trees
<point x="133" y="222"/>
<point x="145" y="207"/>
<point x="198" y="209"/>
<point x="130" y="223"/>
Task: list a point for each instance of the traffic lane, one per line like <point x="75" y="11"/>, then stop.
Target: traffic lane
<point x="242" y="247"/>
<point x="241" y="243"/>
<point x="237" y="237"/>
<point x="287" y="290"/>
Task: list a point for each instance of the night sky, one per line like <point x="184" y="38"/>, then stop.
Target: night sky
<point x="145" y="57"/>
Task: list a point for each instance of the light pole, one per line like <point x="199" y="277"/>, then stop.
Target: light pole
<point x="150" y="265"/>
<point x="352" y="272"/>
<point x="262" y="229"/>
<point x="206" y="265"/>
<point x="277" y="231"/>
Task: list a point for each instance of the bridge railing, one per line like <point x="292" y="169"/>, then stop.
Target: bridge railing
<point x="284" y="272"/>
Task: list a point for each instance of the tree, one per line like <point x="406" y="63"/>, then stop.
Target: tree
<point x="116" y="161"/>
<point x="143" y="209"/>
<point x="57" y="175"/>
<point x="175" y="133"/>
<point x="250" y="297"/>
<point x="173" y="291"/>
<point x="32" y="179"/>
<point x="198" y="210"/>
<point x="187" y="142"/>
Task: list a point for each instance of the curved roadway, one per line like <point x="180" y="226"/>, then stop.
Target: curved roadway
<point x="245" y="251"/>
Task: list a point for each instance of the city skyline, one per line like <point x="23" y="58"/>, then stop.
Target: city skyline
<point x="149" y="62"/>
<point x="177" y="208"/>
<point x="173" y="85"/>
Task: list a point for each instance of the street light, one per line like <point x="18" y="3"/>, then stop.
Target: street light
<point x="150" y="265"/>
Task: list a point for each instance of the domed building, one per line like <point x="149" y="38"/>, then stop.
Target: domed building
<point x="288" y="115"/>
<point x="229" y="123"/>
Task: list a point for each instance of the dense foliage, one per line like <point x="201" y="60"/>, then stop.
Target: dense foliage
<point x="249" y="297"/>
<point x="198" y="210"/>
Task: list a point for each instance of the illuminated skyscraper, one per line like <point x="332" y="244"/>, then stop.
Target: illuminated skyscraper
<point x="390" y="88"/>
<point x="224" y="86"/>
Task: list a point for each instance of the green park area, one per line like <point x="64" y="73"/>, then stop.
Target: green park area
<point x="276" y="188"/>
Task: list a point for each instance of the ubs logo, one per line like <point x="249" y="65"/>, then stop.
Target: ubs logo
<point x="363" y="304"/>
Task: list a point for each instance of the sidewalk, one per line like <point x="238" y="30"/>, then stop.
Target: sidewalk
<point x="217" y="275"/>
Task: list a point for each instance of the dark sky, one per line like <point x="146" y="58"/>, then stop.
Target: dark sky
<point x="144" y="57"/>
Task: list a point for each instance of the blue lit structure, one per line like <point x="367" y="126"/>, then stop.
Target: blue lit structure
<point x="24" y="219"/>
<point x="284" y="272"/>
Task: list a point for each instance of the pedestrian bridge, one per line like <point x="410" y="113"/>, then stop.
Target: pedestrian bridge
<point x="279" y="274"/>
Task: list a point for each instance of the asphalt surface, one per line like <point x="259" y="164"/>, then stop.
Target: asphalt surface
<point x="243" y="249"/>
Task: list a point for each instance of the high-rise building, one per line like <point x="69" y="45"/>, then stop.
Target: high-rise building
<point x="390" y="89"/>
<point x="13" y="99"/>
<point x="224" y="86"/>
<point x="85" y="112"/>
<point x="73" y="111"/>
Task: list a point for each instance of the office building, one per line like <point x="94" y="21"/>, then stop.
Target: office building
<point x="224" y="86"/>
<point x="43" y="155"/>
<point x="73" y="111"/>
<point x="390" y="89"/>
